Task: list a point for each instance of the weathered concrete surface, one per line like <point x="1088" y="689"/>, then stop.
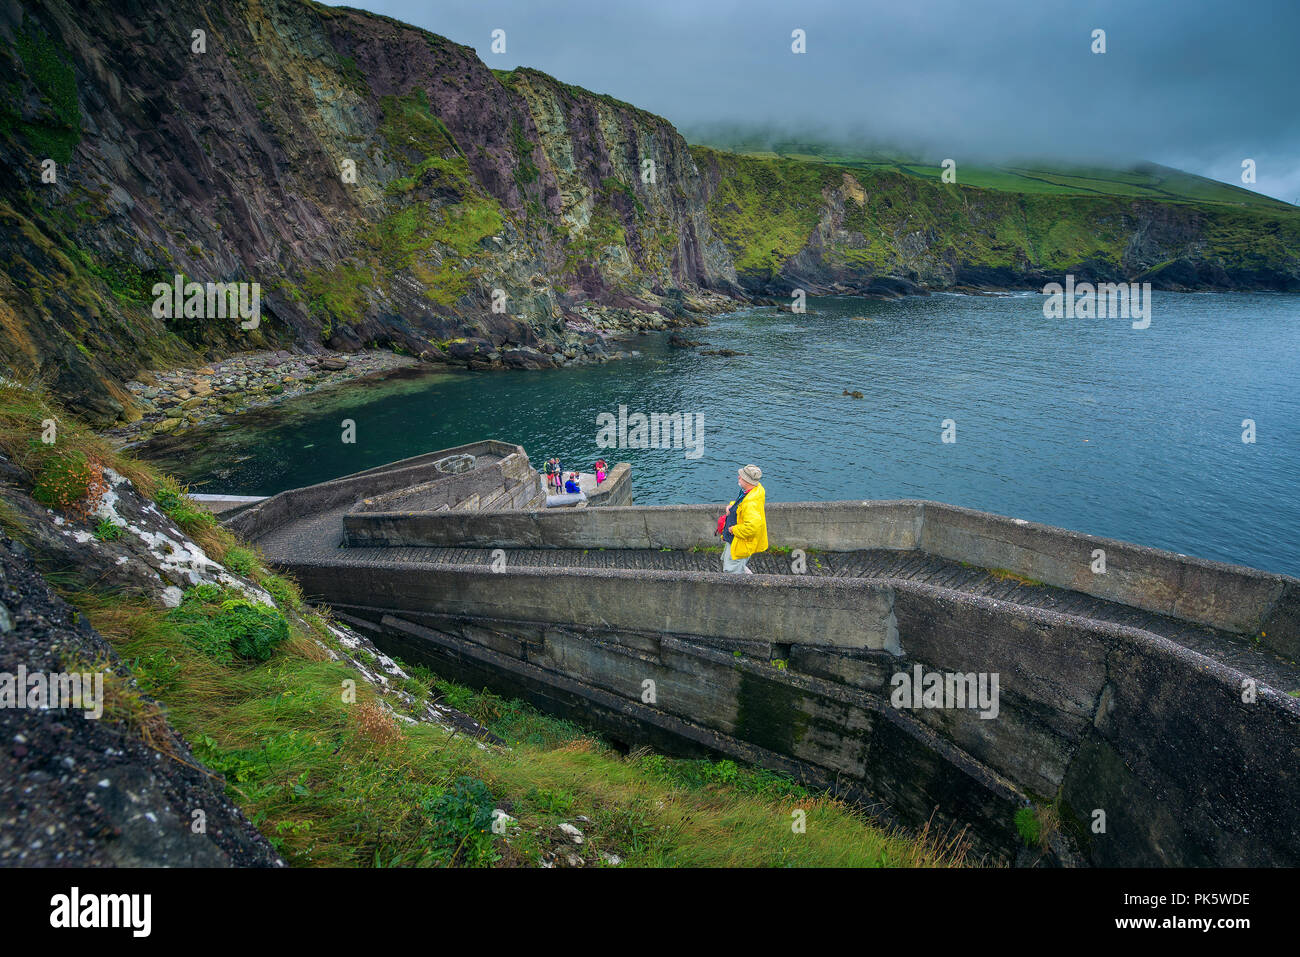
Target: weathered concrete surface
<point x="257" y="522"/>
<point x="615" y="490"/>
<point x="832" y="526"/>
<point x="852" y="613"/>
<point x="499" y="478"/>
<point x="227" y="505"/>
<point x="1231" y="597"/>
<point x="1211" y="784"/>
<point x="1228" y="597"/>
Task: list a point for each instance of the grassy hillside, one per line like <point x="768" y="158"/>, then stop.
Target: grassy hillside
<point x="337" y="784"/>
<point x="792" y="221"/>
<point x="1143" y="180"/>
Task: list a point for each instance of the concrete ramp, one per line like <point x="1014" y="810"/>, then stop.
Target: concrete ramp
<point x="932" y="662"/>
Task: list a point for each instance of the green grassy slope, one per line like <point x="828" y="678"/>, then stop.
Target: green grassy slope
<point x="847" y="222"/>
<point x="1144" y="180"/>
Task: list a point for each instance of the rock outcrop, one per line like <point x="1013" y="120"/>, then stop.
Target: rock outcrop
<point x="79" y="792"/>
<point x="380" y="184"/>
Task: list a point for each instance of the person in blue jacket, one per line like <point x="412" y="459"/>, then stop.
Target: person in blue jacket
<point x="572" y="484"/>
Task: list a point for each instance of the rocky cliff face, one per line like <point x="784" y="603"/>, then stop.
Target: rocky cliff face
<point x="383" y="187"/>
<point x="830" y="229"/>
<point x="380" y="183"/>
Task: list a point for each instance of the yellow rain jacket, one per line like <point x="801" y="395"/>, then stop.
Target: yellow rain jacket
<point x="750" y="530"/>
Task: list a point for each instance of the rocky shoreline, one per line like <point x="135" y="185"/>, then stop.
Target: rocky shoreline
<point x="173" y="401"/>
<point x="177" y="400"/>
<point x="588" y="331"/>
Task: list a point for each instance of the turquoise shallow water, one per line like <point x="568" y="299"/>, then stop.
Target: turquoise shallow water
<point x="1083" y="423"/>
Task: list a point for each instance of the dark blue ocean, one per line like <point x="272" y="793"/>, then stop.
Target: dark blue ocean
<point x="1083" y="423"/>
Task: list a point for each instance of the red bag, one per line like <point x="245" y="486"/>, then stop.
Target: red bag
<point x="722" y="522"/>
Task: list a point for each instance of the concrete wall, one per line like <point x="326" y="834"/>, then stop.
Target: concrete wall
<point x="709" y="701"/>
<point x="509" y="483"/>
<point x="1091" y="717"/>
<point x="278" y="509"/>
<point x="615" y="490"/>
<point x="847" y="613"/>
<point x="795" y="673"/>
<point x="1230" y="597"/>
<point x="1113" y="719"/>
<point x="831" y="526"/>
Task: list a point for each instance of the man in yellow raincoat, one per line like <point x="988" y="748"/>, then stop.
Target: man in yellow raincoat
<point x="744" y="529"/>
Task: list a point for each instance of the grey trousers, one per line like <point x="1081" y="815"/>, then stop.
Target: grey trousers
<point x="734" y="565"/>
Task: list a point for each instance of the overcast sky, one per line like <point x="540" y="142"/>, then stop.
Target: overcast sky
<point x="1196" y="84"/>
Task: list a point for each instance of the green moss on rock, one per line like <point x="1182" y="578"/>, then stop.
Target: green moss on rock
<point x="56" y="129"/>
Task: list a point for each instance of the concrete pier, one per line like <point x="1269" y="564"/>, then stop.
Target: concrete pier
<point x="1158" y="692"/>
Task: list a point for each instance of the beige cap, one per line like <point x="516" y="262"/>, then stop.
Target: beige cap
<point x="751" y="474"/>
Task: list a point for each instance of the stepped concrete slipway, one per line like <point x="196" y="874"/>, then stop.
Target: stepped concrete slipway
<point x="1148" y="708"/>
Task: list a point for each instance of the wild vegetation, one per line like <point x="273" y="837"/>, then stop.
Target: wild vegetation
<point x="57" y="128"/>
<point x="333" y="783"/>
<point x="432" y="243"/>
<point x="1143" y="180"/>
